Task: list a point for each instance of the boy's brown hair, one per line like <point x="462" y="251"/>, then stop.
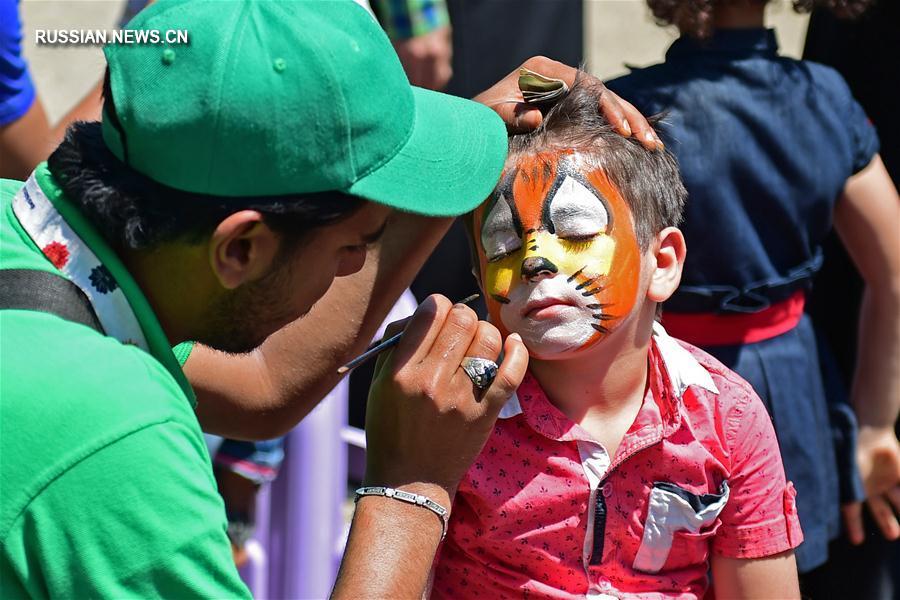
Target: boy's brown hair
<point x="649" y="180"/>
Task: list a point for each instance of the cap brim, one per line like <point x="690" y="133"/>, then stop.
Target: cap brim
<point x="450" y="163"/>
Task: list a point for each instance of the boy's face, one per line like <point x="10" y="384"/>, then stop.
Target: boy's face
<point x="559" y="260"/>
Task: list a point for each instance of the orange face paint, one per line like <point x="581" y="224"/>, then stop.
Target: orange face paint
<point x="558" y="255"/>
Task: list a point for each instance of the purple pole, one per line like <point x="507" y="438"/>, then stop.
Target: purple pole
<point x="256" y="572"/>
<point x="305" y="532"/>
<point x="306" y="522"/>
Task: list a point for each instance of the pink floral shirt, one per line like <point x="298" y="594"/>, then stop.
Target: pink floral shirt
<point x="545" y="512"/>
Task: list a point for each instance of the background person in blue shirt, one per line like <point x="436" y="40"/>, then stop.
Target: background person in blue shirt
<point x="773" y="151"/>
<point x="26" y="137"/>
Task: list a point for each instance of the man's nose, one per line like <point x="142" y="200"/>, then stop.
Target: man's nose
<point x="535" y="268"/>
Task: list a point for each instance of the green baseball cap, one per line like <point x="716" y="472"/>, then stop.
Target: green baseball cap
<point x="280" y="97"/>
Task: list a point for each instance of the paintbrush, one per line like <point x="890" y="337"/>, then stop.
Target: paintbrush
<point x="378" y="348"/>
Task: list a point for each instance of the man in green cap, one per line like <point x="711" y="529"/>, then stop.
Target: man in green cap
<point x="231" y="180"/>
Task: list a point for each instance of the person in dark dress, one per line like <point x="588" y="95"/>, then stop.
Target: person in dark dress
<point x="772" y="151"/>
<point x="866" y="52"/>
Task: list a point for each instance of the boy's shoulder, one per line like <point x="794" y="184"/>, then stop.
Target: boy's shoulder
<point x="702" y="383"/>
<point x="687" y="364"/>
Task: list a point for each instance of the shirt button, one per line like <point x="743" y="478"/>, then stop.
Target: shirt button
<point x="607" y="490"/>
<point x="604" y="583"/>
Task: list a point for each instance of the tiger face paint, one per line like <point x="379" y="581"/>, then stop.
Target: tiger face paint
<point x="559" y="260"/>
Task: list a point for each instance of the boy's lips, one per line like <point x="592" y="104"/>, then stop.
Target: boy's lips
<point x="537" y="308"/>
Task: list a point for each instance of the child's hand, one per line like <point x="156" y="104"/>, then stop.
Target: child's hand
<point x="878" y="455"/>
<point x="506" y="99"/>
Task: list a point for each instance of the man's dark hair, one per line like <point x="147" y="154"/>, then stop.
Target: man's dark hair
<point x="695" y="17"/>
<point x="130" y="210"/>
<point x="648" y="179"/>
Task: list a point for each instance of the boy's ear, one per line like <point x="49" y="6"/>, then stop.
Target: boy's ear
<point x="242" y="248"/>
<point x="669" y="260"/>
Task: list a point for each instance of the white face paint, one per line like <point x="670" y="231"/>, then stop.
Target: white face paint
<point x="559" y="261"/>
<point x="551" y="316"/>
<point x="499" y="236"/>
<point x="576" y="213"/>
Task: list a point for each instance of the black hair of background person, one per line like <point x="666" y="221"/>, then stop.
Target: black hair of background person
<point x="867" y="54"/>
<point x="490" y="39"/>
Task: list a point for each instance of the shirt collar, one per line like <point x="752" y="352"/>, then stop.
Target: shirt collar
<point x="676" y="370"/>
<point x="512" y="408"/>
<point x="75" y="247"/>
<point x="727" y="42"/>
<point x="682" y="368"/>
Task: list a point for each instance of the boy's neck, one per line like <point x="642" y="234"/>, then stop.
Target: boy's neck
<point x="746" y="14"/>
<point x="602" y="389"/>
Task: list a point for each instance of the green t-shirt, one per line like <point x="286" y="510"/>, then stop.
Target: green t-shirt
<point x="106" y="488"/>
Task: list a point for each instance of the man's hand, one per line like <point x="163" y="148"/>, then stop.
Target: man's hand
<point x="506" y="99"/>
<point x="426" y="422"/>
<point x="878" y="454"/>
<point x="426" y="58"/>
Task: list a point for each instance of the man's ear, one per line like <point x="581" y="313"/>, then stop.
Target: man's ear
<point x="242" y="248"/>
<point x="669" y="260"/>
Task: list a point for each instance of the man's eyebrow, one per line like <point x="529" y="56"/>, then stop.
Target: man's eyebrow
<point x="375" y="235"/>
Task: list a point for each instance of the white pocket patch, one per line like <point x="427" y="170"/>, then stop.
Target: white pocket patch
<point x="674" y="509"/>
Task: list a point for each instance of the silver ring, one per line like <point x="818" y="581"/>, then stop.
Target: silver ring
<point x="480" y="370"/>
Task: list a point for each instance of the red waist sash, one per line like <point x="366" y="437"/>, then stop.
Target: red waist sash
<point x="710" y="329"/>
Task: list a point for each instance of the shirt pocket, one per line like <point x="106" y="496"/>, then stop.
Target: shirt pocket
<point x="690" y="549"/>
<point x="678" y="528"/>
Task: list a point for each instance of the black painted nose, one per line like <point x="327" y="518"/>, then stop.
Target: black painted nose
<point x="534" y="267"/>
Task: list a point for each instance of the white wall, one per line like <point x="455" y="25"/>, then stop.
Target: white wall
<point x="623" y="32"/>
<point x="617" y="32"/>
